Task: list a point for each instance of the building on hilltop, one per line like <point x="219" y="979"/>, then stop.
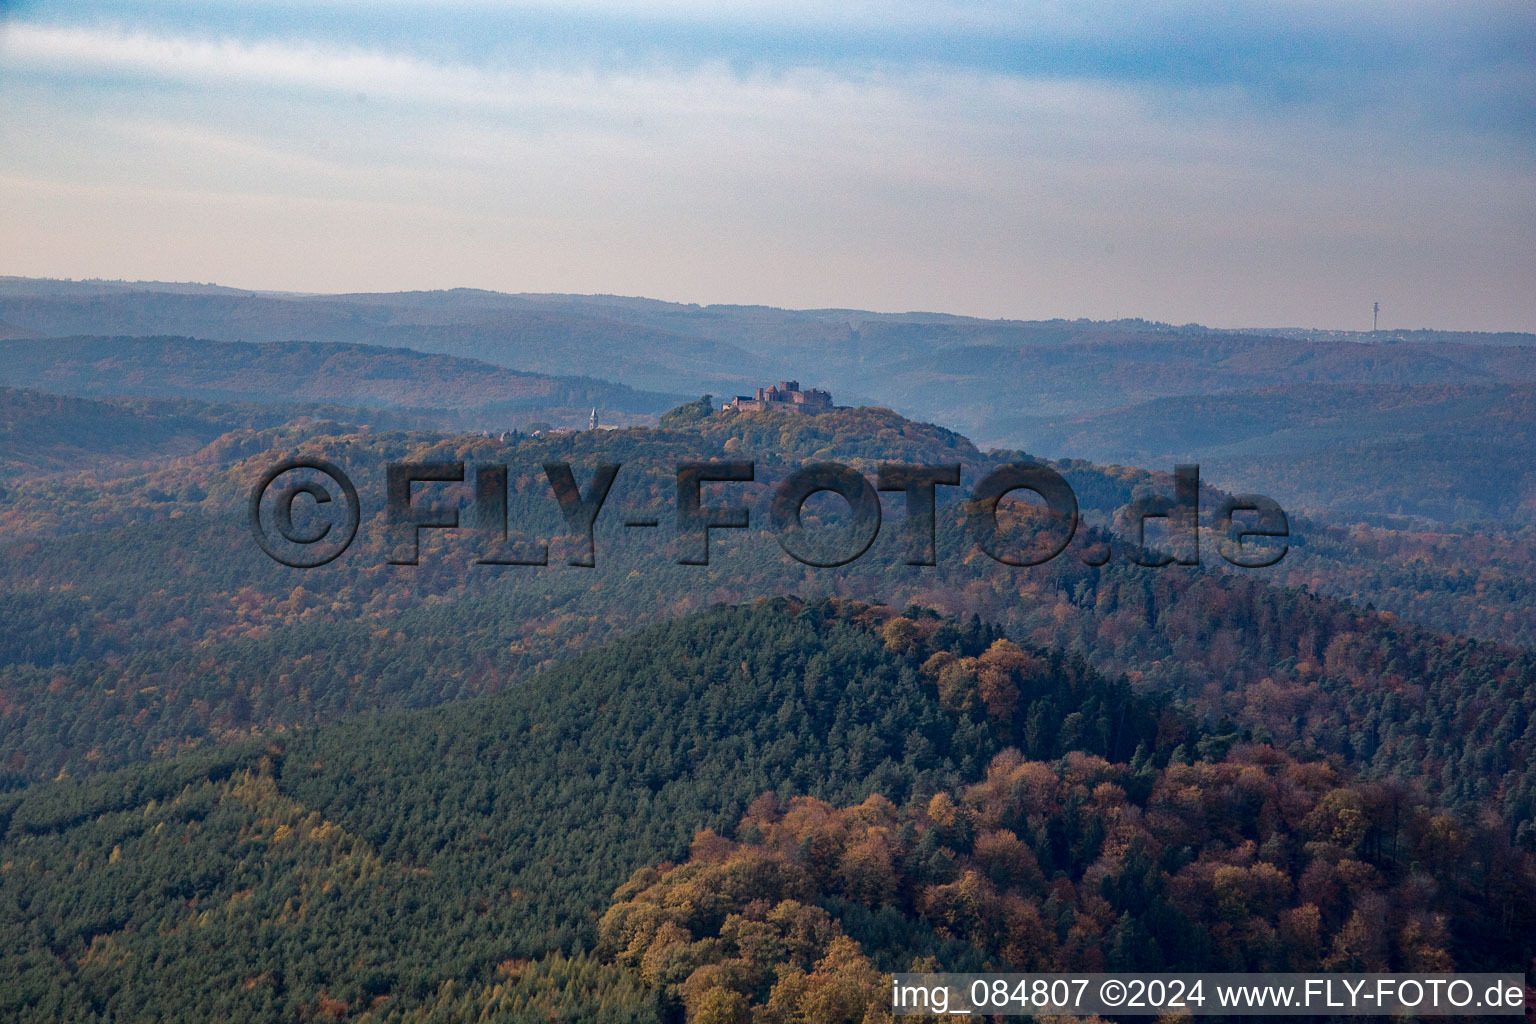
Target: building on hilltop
<point x="786" y="396"/>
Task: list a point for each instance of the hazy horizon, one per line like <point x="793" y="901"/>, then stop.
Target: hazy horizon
<point x="1290" y="164"/>
<point x="957" y="314"/>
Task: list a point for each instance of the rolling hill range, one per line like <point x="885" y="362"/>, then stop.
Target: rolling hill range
<point x="473" y="860"/>
<point x="948" y="368"/>
<point x="744" y="791"/>
<point x="1270" y="405"/>
<point x="1449" y="452"/>
<point x="288" y="372"/>
<point x="504" y="330"/>
<point x="142" y="618"/>
<point x="48" y="433"/>
<point x="44" y="433"/>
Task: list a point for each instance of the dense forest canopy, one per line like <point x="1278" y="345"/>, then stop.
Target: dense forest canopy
<point x="477" y="854"/>
<point x="142" y="617"/>
<point x="445" y="842"/>
<point x="745" y="791"/>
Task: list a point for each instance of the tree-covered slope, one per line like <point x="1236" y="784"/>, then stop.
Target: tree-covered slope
<point x="59" y="434"/>
<point x="902" y="790"/>
<point x="455" y="388"/>
<point x="373" y="861"/>
<point x="174" y="628"/>
<point x="1456" y="450"/>
<point x="1249" y="863"/>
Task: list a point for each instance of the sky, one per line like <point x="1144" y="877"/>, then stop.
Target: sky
<point x="1277" y="164"/>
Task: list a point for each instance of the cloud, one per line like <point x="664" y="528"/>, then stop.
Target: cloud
<point x="1496" y="97"/>
<point x="1038" y="168"/>
<point x="649" y="102"/>
<point x="87" y="51"/>
<point x="1419" y="78"/>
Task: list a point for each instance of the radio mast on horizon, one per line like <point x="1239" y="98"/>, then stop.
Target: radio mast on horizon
<point x="1375" y="315"/>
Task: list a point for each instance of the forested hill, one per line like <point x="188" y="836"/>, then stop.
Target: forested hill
<point x="460" y="390"/>
<point x="161" y="624"/>
<point x="1452" y="451"/>
<point x="43" y="433"/>
<point x="1061" y="388"/>
<point x="377" y="859"/>
<point x="1253" y="862"/>
<point x="911" y="790"/>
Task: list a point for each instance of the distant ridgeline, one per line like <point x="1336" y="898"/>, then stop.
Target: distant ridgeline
<point x="1434" y="425"/>
<point x="447" y="391"/>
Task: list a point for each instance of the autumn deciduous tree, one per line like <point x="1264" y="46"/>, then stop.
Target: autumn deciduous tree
<point x="1256" y="862"/>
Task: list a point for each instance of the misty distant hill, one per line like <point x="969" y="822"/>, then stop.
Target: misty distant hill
<point x="505" y="330"/>
<point x="1455" y="451"/>
<point x="287" y="372"/>
<point x="975" y="375"/>
<point x="43" y="433"/>
<point x="1127" y="391"/>
<point x="40" y="432"/>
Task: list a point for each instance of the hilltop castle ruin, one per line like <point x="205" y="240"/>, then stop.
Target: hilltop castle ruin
<point x="786" y="396"/>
